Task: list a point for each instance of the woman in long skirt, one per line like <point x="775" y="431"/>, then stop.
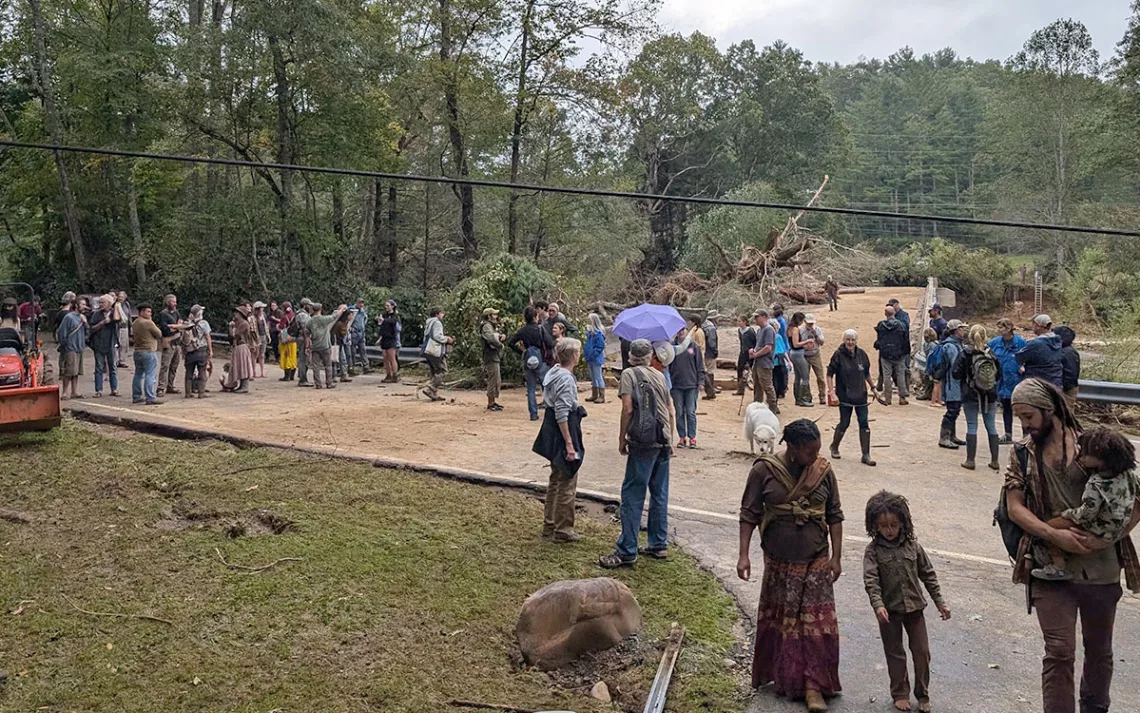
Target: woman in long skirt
<point x="241" y="358"/>
<point x="286" y="344"/>
<point x="793" y="498"/>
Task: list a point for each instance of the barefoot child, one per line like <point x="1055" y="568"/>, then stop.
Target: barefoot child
<point x="895" y="568"/>
<point x="1106" y="506"/>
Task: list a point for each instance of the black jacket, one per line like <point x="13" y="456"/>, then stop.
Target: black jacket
<point x="550" y="445"/>
<point x="688" y="369"/>
<point x="388" y="325"/>
<point x="850" y="371"/>
<point x="893" y="340"/>
<point x="747" y="341"/>
<point x="533" y="335"/>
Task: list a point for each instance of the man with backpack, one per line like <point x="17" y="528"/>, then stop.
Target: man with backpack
<point x="893" y="344"/>
<point x="534" y="344"/>
<point x="940" y="367"/>
<point x="197" y="350"/>
<point x="643" y="437"/>
<point x="979" y="372"/>
<point x="712" y="351"/>
<point x="299" y="330"/>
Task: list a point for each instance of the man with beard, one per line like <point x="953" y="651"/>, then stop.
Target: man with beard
<point x="1046" y="477"/>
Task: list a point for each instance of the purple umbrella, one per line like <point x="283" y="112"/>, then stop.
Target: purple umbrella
<point x="657" y="323"/>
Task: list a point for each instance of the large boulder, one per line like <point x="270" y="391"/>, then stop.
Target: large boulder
<point x="564" y="620"/>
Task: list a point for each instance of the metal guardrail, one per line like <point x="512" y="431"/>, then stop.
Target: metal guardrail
<point x="405" y="355"/>
<point x="1109" y="392"/>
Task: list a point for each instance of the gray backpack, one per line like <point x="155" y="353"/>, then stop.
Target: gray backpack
<point x="644" y="429"/>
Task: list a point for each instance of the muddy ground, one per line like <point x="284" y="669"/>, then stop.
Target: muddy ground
<point x="985" y="659"/>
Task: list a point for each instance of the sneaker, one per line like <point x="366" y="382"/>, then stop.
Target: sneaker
<point x="156" y="402"/>
<point x="566" y="538"/>
<point x="692" y="444"/>
<point x="654" y="554"/>
<point x="1051" y="574"/>
<point x="615" y="561"/>
<point x="683" y="443"/>
<point x="533" y="417"/>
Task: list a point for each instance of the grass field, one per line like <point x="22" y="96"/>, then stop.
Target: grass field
<point x="405" y="595"/>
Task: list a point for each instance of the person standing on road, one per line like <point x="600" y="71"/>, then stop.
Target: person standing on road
<point x="320" y="339"/>
<point x="241" y="352"/>
<point x="553" y="317"/>
<point x="1041" y="356"/>
<point x="435" y="351"/>
<point x="903" y="316"/>
<point x="811" y="337"/>
<point x="198" y="348"/>
<point x="595" y="355"/>
<point x="273" y="319"/>
<point x="390" y="342"/>
<point x="801" y="384"/>
<point x="104" y="338"/>
<point x="848" y="382"/>
<point x="340" y="343"/>
<point x="893" y="344"/>
<point x="979" y="373"/>
<point x="261" y="325"/>
<point x="747" y="337"/>
<point x="763" y="361"/>
<point x="780" y="366"/>
<point x="492" y="340"/>
<point x="686" y="375"/>
<point x="1045" y="477"/>
<point x="937" y="322"/>
<point x="944" y="358"/>
<point x="123" y="313"/>
<point x="561" y="442"/>
<point x="643" y="438"/>
<point x="302" y="335"/>
<point x="358" y="356"/>
<point x="71" y="336"/>
<point x="169" y="321"/>
<point x="1070" y="364"/>
<point x="895" y="570"/>
<point x="1005" y="347"/>
<point x="286" y="342"/>
<point x="793" y="499"/>
<point x="534" y="343"/>
<point x="831" y="287"/>
<point x="712" y="353"/>
<point x="148" y="340"/>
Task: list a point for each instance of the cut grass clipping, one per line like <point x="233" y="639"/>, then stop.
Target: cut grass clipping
<point x="155" y="575"/>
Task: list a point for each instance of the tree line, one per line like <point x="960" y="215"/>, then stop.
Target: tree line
<point x="562" y="92"/>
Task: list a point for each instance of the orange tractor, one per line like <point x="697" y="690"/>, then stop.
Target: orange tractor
<point x="26" y="404"/>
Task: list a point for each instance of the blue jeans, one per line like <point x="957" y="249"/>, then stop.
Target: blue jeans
<point x="105" y="363"/>
<point x="644" y="470"/>
<point x="597" y="379"/>
<point x="685" y="406"/>
<point x="989" y="417"/>
<point x="534" y="384"/>
<point x="146" y="374"/>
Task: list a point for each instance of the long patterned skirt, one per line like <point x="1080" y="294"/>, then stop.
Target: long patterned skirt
<point x="797" y="632"/>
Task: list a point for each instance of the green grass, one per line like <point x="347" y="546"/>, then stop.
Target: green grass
<point x="406" y="596"/>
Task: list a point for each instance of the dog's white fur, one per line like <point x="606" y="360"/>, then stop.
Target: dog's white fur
<point x="761" y="427"/>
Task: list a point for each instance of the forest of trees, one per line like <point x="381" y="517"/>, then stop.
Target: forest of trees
<point x="507" y="90"/>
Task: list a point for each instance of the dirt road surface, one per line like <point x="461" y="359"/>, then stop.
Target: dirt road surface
<point x="986" y="659"/>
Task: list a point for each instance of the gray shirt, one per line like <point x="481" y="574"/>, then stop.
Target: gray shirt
<point x="815" y="333"/>
<point x="766" y="337"/>
<point x="560" y="392"/>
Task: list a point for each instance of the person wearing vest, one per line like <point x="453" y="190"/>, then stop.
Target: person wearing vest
<point x="303" y="349"/>
<point x="197" y="350"/>
<point x="435" y="351"/>
<point x="793" y="499"/>
<point x="493" y="341"/>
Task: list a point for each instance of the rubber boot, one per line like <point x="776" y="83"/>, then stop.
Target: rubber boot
<point x="292" y="375"/>
<point x="593" y="394"/>
<point x="954" y="436"/>
<point x="285" y="376"/>
<point x="835" y="441"/>
<point x="946" y="442"/>
<point x="188" y="388"/>
<point x="865" y="446"/>
<point x="601" y="396"/>
<point x="243" y="387"/>
<point x="971" y="452"/>
<point x="994" y="441"/>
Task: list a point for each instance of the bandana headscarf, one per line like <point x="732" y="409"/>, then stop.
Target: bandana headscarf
<point x="1033" y="392"/>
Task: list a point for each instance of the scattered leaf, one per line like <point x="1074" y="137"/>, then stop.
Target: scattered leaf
<point x="197" y="681"/>
<point x="251" y="488"/>
<point x="110" y="646"/>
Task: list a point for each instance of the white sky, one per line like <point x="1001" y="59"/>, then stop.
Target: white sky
<point x="845" y="30"/>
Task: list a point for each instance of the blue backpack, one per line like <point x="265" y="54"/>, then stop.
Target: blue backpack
<point x="938" y="362"/>
<point x="532" y="359"/>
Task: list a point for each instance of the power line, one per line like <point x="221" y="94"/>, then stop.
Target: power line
<point x="594" y="192"/>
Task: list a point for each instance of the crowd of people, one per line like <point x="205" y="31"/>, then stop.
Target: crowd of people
<point x="1069" y="495"/>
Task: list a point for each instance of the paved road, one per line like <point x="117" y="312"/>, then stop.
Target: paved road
<point x="985" y="659"/>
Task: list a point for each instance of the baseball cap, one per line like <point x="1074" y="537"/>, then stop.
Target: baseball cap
<point x="259" y="303"/>
<point x="954" y="324"/>
<point x="640" y="348"/>
<point x="490" y="311"/>
<point x="68" y="297"/>
<point x="935" y="306"/>
<point x="665" y="352"/>
<point x="1043" y="320"/>
<point x="809" y="318"/>
<point x="197" y="309"/>
<point x="305" y="302"/>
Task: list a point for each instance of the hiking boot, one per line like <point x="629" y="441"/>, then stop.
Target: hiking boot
<point x="946" y="442"/>
<point x="814" y="701"/>
<point x="835" y="441"/>
<point x="565" y="538"/>
<point x="865" y="446"/>
<point x="994" y="464"/>
<point x="615" y="561"/>
<point x="345" y="380"/>
<point x="903" y="402"/>
<point x="739" y="391"/>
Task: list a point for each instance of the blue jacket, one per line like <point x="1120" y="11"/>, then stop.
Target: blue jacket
<point x="595" y="348"/>
<point x="1006" y="353"/>
<point x="1041" y="357"/>
<point x="951" y="388"/>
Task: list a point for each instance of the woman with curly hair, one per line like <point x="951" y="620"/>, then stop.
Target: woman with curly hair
<point x="895" y="569"/>
<point x="793" y="498"/>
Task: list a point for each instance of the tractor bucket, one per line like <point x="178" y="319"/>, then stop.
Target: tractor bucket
<point x="34" y="408"/>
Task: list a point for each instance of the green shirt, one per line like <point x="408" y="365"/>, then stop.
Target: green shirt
<point x="894" y="575"/>
<point x="319" y="328"/>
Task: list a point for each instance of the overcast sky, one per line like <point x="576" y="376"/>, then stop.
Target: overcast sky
<point x="845" y="30"/>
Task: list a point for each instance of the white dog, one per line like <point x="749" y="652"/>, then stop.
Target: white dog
<point x="761" y="426"/>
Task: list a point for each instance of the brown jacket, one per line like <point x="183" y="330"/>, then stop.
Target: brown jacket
<point x="894" y="574"/>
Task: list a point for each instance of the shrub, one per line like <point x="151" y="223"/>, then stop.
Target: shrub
<point x="504" y="282"/>
<point x="977" y="276"/>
